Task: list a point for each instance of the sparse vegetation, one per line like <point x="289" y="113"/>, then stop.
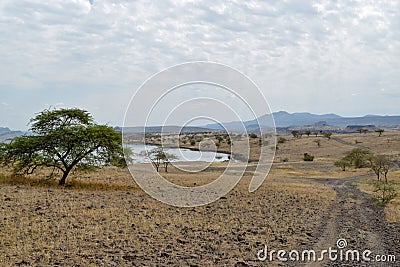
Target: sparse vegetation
<point x="158" y="156"/>
<point x="296" y="134"/>
<point x="253" y="135"/>
<point x="318" y="142"/>
<point x="359" y="158"/>
<point x="63" y="140"/>
<point x="327" y="135"/>
<point x="380" y="131"/>
<point x="380" y="165"/>
<point x="281" y="140"/>
<point x="107" y="218"/>
<point x="384" y="192"/>
<point x="343" y="163"/>
<point x="308" y="157"/>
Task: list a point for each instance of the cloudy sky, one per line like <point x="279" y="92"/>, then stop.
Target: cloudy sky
<point x="318" y="56"/>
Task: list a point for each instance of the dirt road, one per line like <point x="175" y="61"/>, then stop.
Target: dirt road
<point x="356" y="219"/>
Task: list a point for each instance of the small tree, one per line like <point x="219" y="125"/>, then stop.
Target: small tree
<point x="281" y="140"/>
<point x="308" y="133"/>
<point x="296" y="134"/>
<point x="253" y="135"/>
<point x="63" y="139"/>
<point x="318" y="142"/>
<point x="327" y="135"/>
<point x="359" y="157"/>
<point x="158" y="156"/>
<point x="342" y="163"/>
<point x="384" y="192"/>
<point x="308" y="157"/>
<point x="379" y="131"/>
<point x="380" y="164"/>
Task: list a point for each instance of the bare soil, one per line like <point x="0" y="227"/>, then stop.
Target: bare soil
<point x="112" y="227"/>
<point x="356" y="218"/>
<point x="105" y="219"/>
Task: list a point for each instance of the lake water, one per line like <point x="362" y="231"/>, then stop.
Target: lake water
<point x="182" y="154"/>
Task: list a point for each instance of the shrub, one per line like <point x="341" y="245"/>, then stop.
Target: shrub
<point x="342" y="163"/>
<point x="253" y="135"/>
<point x="358" y="157"/>
<point x="327" y="135"/>
<point x="384" y="192"/>
<point x="297" y="134"/>
<point x="308" y="157"/>
<point x="281" y="140"/>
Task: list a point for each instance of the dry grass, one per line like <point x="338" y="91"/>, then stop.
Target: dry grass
<point x="94" y="181"/>
<point x="392" y="210"/>
<point x="313" y="170"/>
<point x="104" y="218"/>
<point x="51" y="225"/>
<point x="331" y="150"/>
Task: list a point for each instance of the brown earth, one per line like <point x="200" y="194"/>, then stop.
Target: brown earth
<point x="105" y="219"/>
<point x="114" y="227"/>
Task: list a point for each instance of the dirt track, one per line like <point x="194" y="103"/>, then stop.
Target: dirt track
<point x="355" y="218"/>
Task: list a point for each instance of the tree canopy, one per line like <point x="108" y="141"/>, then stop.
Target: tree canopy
<point x="63" y="139"/>
<point x="158" y="156"/>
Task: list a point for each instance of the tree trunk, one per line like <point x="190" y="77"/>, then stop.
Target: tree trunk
<point x="166" y="167"/>
<point x="64" y="177"/>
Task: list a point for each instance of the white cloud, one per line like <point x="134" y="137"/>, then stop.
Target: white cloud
<point x="297" y="51"/>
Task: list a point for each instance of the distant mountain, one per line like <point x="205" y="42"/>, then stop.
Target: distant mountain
<point x="4" y="130"/>
<point x="168" y="129"/>
<point x="6" y="134"/>
<point x="285" y="119"/>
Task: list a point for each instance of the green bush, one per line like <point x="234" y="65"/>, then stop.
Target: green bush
<point x="308" y="157"/>
<point x="281" y="140"/>
<point x="384" y="192"/>
<point x="253" y="135"/>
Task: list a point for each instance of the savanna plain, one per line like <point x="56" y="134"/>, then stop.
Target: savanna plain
<point x="103" y="218"/>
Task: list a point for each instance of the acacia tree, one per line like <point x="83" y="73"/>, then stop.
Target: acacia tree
<point x="318" y="142"/>
<point x="359" y="158"/>
<point x="158" y="156"/>
<point x="327" y="135"/>
<point x="63" y="139"/>
<point x="380" y="164"/>
<point x="343" y="163"/>
<point x="379" y="131"/>
<point x="296" y="134"/>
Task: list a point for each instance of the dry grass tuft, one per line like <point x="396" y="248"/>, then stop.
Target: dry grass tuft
<point x="90" y="226"/>
<point x="392" y="210"/>
<point x="73" y="184"/>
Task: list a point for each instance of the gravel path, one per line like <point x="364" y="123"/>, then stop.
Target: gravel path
<point x="355" y="218"/>
<point x="337" y="139"/>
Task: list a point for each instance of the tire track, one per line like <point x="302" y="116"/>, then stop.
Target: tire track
<point x="355" y="218"/>
<point x="337" y="139"/>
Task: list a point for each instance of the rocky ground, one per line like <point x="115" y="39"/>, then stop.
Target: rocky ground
<point x="355" y="217"/>
<point x="104" y="219"/>
<point x="42" y="226"/>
